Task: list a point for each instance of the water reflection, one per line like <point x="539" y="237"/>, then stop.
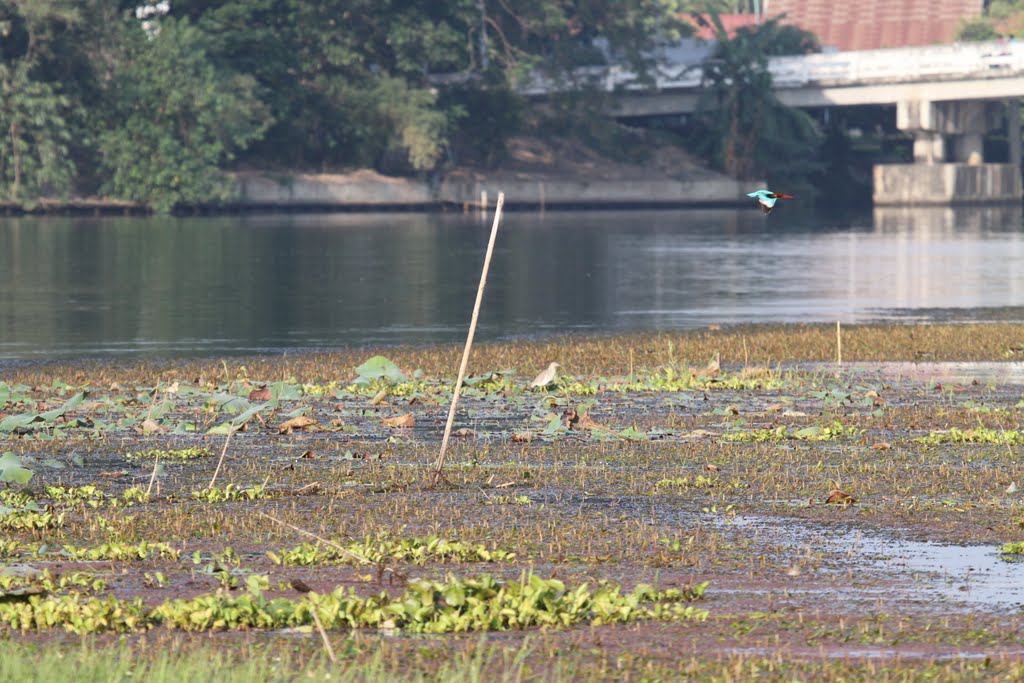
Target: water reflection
<point x="80" y="286"/>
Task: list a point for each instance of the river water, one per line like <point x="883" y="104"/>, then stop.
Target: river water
<point x="79" y="287"/>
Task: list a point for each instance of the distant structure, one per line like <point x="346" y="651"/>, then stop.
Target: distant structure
<point x="874" y="24"/>
<point x="730" y="22"/>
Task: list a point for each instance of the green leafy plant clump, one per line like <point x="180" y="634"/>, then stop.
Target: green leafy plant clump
<point x="29" y="520"/>
<point x="450" y="606"/>
<point x="30" y="582"/>
<point x="144" y="550"/>
<point x="1009" y="437"/>
<point x="831" y="432"/>
<point x="231" y="492"/>
<point x="414" y="550"/>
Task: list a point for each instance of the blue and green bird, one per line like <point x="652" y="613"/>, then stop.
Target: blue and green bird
<point x="766" y="199"/>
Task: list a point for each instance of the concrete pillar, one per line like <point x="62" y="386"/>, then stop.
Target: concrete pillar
<point x="929" y="147"/>
<point x="960" y="176"/>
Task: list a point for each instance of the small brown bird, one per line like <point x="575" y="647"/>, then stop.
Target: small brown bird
<point x="300" y="585"/>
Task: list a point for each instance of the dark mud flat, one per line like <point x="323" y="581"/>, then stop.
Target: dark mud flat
<point x="795" y="518"/>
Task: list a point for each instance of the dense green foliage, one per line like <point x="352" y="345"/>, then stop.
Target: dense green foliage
<point x="153" y="101"/>
<point x="1002" y="18"/>
<point x="741" y="125"/>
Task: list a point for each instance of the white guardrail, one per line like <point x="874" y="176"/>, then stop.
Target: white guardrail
<point x="860" y="67"/>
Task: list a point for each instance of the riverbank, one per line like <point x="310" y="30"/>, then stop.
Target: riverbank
<point x="549" y="174"/>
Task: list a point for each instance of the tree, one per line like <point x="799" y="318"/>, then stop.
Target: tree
<point x="35" y="128"/>
<point x="34" y="136"/>
<point x="741" y="125"/>
<point x="977" y="29"/>
<point x="177" y="117"/>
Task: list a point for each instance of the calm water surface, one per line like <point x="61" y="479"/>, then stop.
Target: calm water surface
<point x="76" y="287"/>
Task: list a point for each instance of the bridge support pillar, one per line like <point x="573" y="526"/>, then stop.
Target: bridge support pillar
<point x="929" y="148"/>
<point x="949" y="158"/>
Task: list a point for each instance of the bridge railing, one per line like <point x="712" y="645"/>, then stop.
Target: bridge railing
<point x="902" y="64"/>
<point x="835" y="69"/>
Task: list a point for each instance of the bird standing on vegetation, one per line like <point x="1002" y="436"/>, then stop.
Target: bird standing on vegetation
<point x="766" y="199"/>
<point x="547" y="376"/>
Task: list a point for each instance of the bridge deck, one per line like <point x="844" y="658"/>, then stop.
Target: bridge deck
<point x="963" y="71"/>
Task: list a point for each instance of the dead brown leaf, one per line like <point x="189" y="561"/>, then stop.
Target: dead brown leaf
<point x="300" y="422"/>
<point x="406" y="421"/>
<point x="464" y="431"/>
<point x="839" y="497"/>
<point x="576" y="421"/>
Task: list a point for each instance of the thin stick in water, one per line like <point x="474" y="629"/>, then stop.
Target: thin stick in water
<point x="839" y="343"/>
<point x="323" y="635"/>
<point x="221" y="461"/>
<point x="321" y="539"/>
<point x="152" y="477"/>
<point x="439" y="465"/>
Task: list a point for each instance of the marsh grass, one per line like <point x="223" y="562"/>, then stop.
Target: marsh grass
<point x="658" y="505"/>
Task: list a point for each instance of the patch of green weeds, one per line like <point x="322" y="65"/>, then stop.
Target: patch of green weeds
<point x="497" y="381"/>
<point x="1012" y="548"/>
<point x="144" y="550"/>
<point x="30" y="520"/>
<point x="75" y="614"/>
<point x="231" y="492"/>
<point x="31" y="420"/>
<point x="451" y="606"/>
<point x="509" y="500"/>
<point x="831" y="432"/>
<point x="698" y="482"/>
<point x="45" y="582"/>
<point x="414" y="550"/>
<point x="89" y="495"/>
<point x="11" y="548"/>
<point x="1010" y="437"/>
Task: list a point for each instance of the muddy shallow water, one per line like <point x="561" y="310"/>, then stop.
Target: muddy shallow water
<point x="723" y="479"/>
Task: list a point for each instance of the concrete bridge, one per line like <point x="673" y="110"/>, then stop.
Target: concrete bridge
<point x="947" y="96"/>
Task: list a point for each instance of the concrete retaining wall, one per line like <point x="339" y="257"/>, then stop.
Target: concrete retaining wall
<point x="596" y="193"/>
<point x="368" y="189"/>
<point x="946" y="183"/>
<point x="363" y="188"/>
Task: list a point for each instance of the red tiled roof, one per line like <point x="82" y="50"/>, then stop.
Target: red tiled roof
<point x="870" y="24"/>
<point x="730" y="22"/>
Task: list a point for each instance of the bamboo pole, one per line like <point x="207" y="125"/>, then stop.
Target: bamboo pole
<point x="839" y="343"/>
<point x="439" y="465"/>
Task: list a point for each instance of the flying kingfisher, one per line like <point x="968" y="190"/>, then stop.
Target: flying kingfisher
<point x="766" y="199"/>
